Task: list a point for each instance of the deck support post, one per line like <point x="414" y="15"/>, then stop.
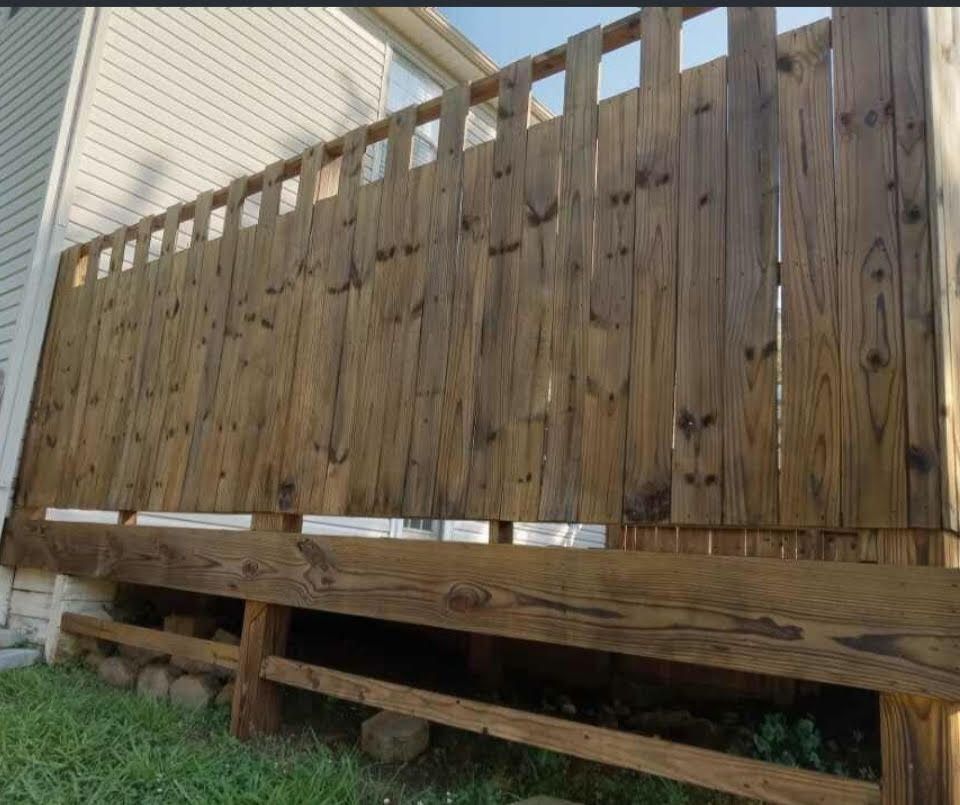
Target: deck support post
<point x="256" y="701"/>
<point x="919" y="736"/>
<point x="484" y="660"/>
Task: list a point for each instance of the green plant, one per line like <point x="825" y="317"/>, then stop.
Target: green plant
<point x="791" y="744"/>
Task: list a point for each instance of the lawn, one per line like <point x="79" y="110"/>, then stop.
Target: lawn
<point x="65" y="737"/>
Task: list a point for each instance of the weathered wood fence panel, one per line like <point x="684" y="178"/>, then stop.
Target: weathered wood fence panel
<point x="578" y="321"/>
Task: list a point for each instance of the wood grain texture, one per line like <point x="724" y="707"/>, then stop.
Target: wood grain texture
<point x="461" y="389"/>
<point x="697" y="486"/>
<point x="441" y="265"/>
<point x="530" y="373"/>
<point x="942" y="83"/>
<point x="607" y="364"/>
<point x="649" y="452"/>
<point x="874" y="491"/>
<point x="372" y="424"/>
<point x="260" y="278"/>
<point x="215" y="290"/>
<point x="559" y="495"/>
<point x="497" y="332"/>
<point x="750" y="329"/>
<point x="362" y="258"/>
<point x="749" y="778"/>
<point x="810" y="457"/>
<point x="913" y="226"/>
<point x="859" y="624"/>
<point x="222" y="655"/>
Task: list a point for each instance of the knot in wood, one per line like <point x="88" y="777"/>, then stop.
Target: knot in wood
<point x="465" y="597"/>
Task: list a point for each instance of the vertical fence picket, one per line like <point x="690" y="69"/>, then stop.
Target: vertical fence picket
<point x="500" y="292"/>
<point x="648" y="468"/>
<point x="559" y="496"/>
<point x="750" y="343"/>
<point x="252" y="277"/>
<point x="530" y="371"/>
<point x="461" y="390"/>
<point x="810" y="446"/>
<point x="698" y="452"/>
<point x="874" y="489"/>
<point x="441" y="266"/>
<point x="180" y="401"/>
<point x="373" y="389"/>
<point x="201" y="472"/>
<point x="913" y="228"/>
<point x="306" y="445"/>
<point x="611" y="299"/>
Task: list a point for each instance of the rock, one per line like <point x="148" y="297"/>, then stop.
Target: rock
<point x="140" y="656"/>
<point x="194" y="692"/>
<point x="192" y="626"/>
<point x="118" y="671"/>
<point x="94" y="658"/>
<point x="155" y="680"/>
<point x="18" y="658"/>
<point x="225" y="696"/>
<point x="10" y="638"/>
<point x="223" y="636"/>
<point x="391" y="737"/>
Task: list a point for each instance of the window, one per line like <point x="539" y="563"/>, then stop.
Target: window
<point x="422" y="525"/>
<point x="407" y="85"/>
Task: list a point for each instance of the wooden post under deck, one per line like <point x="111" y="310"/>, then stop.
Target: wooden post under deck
<point x="256" y="701"/>
<point x="483" y="659"/>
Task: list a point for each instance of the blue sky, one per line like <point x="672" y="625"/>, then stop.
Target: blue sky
<point x="507" y="34"/>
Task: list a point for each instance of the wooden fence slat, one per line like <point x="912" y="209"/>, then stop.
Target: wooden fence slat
<point x="143" y="320"/>
<point x="373" y="391"/>
<point x="810" y="450"/>
<point x="943" y="96"/>
<point x="168" y="467"/>
<point x="750" y="327"/>
<point x="698" y="450"/>
<point x="202" y="471"/>
<point x="134" y="298"/>
<point x="611" y="297"/>
<point x="491" y="404"/>
<point x="350" y="379"/>
<point x="420" y="482"/>
<point x="460" y="391"/>
<point x="47" y="425"/>
<point x="559" y="496"/>
<point x="99" y="439"/>
<point x="256" y="270"/>
<point x="328" y="283"/>
<point x="76" y="383"/>
<point x="530" y="372"/>
<point x="405" y="291"/>
<point x="281" y="309"/>
<point x="874" y="491"/>
<point x="913" y="227"/>
<point x="648" y="469"/>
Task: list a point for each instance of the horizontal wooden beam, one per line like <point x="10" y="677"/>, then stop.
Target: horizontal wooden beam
<point x="736" y="775"/>
<point x="222" y="655"/>
<point x="871" y="626"/>
<point x="616" y="35"/>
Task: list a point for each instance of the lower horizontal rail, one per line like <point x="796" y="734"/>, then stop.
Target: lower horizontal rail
<point x="736" y="775"/>
<point x="879" y="627"/>
<point x="222" y="655"/>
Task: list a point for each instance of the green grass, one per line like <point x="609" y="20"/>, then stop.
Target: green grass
<point x="67" y="738"/>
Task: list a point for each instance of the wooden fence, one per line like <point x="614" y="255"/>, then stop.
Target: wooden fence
<point x="720" y="307"/>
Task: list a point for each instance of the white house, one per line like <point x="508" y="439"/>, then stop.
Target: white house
<point x="107" y="115"/>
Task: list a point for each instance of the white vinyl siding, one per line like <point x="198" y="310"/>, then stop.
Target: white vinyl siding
<point x="189" y="98"/>
<point x="38" y="47"/>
